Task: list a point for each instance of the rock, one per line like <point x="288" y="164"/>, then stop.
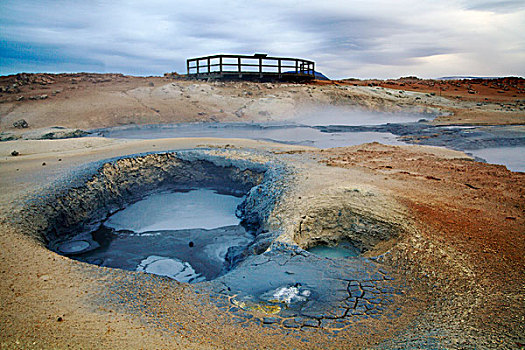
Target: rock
<point x="240" y="113"/>
<point x="38" y="97"/>
<point x="15" y="153"/>
<point x="20" y="98"/>
<point x="21" y="124"/>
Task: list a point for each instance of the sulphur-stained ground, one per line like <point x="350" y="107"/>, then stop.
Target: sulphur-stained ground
<point x="457" y="262"/>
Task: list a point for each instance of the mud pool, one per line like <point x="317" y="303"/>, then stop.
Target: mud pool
<point x="512" y="157"/>
<point x="177" y="210"/>
<point x="279" y="132"/>
<point x="494" y="144"/>
<point x="185" y="236"/>
<point x="341" y="250"/>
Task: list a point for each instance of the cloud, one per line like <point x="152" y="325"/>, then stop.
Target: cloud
<point x="347" y="39"/>
<point x="496" y="6"/>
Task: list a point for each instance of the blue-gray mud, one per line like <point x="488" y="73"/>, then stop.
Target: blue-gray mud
<point x="495" y="144"/>
<point x="267" y="282"/>
<point x="470" y="139"/>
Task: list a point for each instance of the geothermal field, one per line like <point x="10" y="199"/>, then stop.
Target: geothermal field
<point x="168" y="213"/>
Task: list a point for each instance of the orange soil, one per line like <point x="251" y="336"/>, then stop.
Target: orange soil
<point x="509" y="89"/>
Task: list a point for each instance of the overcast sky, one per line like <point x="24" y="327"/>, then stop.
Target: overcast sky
<point x="363" y="39"/>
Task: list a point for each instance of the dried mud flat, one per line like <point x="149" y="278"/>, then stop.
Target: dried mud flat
<point x="460" y="256"/>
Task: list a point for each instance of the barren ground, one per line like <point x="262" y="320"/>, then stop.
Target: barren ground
<point x="89" y="101"/>
<point x="463" y="256"/>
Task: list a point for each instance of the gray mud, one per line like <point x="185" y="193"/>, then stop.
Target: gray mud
<point x="472" y="140"/>
<point x="289" y="133"/>
<point x="503" y="145"/>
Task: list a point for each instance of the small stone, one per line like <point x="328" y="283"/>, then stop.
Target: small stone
<point x="21" y="124"/>
<point x="239" y="113"/>
<point x="59" y="319"/>
<point x="44" y="164"/>
<point x="15" y="153"/>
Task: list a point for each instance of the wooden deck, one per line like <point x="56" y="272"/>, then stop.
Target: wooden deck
<point x="258" y="67"/>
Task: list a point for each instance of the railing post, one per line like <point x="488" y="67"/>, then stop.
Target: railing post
<point x="198" y="64"/>
<point x="313" y="69"/>
<point x="279" y="64"/>
<point x="220" y="65"/>
<point x="260" y="67"/>
<point x="187" y="67"/>
<point x="296" y="66"/>
<point x="239" y="64"/>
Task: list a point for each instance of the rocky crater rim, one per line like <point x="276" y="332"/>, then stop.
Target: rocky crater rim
<point x="78" y="203"/>
<point x="333" y="225"/>
<point x="360" y="215"/>
<point x="82" y="202"/>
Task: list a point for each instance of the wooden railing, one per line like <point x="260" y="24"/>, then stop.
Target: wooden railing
<point x="242" y="65"/>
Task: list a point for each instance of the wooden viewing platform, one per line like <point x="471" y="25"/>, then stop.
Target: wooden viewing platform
<point x="258" y="67"/>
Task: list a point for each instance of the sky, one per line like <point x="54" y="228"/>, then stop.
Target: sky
<point x="346" y="39"/>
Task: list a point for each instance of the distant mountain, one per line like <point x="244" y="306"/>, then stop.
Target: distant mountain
<point x="458" y="77"/>
<point x="318" y="75"/>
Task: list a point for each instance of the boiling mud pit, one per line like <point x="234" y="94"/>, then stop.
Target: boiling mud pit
<point x="183" y="235"/>
<point x="207" y="219"/>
